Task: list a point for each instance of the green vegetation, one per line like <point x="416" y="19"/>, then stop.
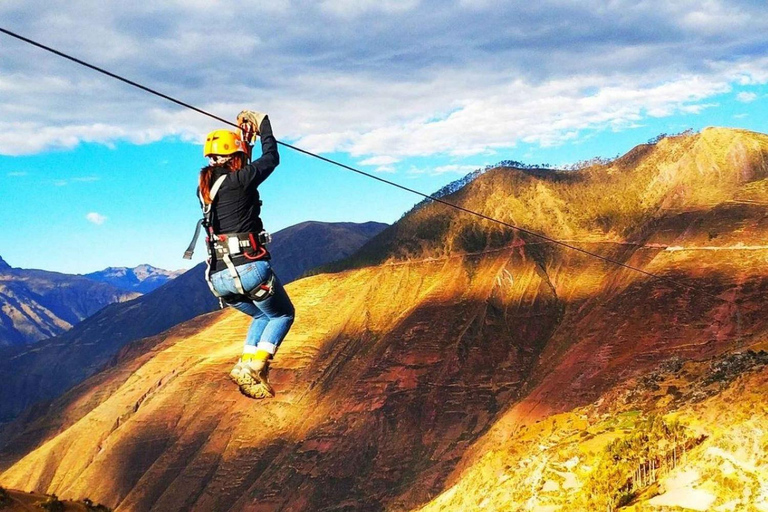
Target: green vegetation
<point x="5" y="498"/>
<point x="662" y="136"/>
<point x="634" y="463"/>
<point x="95" y="507"/>
<point x="52" y="504"/>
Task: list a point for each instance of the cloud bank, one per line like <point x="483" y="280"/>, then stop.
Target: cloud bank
<point x="383" y="80"/>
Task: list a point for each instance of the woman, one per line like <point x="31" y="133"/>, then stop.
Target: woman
<point x="240" y="273"/>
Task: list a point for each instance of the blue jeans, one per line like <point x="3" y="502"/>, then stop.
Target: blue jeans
<point x="272" y="317"/>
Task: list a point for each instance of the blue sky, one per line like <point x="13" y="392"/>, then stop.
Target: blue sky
<point x="95" y="174"/>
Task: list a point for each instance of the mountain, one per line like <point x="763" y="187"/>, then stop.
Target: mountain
<point x="456" y="364"/>
<point x="141" y="279"/>
<point x="307" y="245"/>
<point x="37" y="304"/>
<point x="51" y="367"/>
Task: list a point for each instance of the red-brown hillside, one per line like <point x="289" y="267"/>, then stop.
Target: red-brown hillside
<point x="399" y="377"/>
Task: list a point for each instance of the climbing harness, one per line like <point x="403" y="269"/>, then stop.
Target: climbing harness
<point x="205" y="220"/>
<point x="223" y="247"/>
<point x="220" y="146"/>
<point x="262" y="292"/>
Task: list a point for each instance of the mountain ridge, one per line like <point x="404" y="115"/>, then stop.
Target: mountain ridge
<point x="38" y="304"/>
<point x="295" y="247"/>
<point x="545" y="201"/>
<point x="142" y="278"/>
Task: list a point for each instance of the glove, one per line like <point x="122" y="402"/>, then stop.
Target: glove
<point x="250" y="123"/>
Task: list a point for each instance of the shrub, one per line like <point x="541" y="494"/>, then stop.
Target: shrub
<point x="5" y="498"/>
<point x="52" y="504"/>
<point x="472" y="238"/>
<point x="632" y="463"/>
<point x="89" y="505"/>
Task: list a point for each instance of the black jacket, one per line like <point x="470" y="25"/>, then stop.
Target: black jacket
<point x="236" y="207"/>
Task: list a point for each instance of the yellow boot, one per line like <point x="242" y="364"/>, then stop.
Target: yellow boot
<point x="251" y="374"/>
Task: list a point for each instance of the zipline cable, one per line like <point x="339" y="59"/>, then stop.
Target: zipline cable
<point x="353" y="169"/>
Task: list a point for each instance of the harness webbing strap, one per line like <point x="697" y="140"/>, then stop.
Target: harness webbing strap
<point x="208" y="278"/>
<point x="208" y="223"/>
<point x="233" y="272"/>
<point x="191" y="249"/>
<point x="215" y="189"/>
<point x="207" y="209"/>
<point x="205" y="220"/>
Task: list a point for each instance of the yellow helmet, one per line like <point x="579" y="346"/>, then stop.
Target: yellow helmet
<point x="223" y="142"/>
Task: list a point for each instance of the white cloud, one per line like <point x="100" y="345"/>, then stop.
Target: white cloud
<point x="380" y="160"/>
<point x="453" y="168"/>
<point x="545" y="113"/>
<point x="445" y="169"/>
<point x="96" y="218"/>
<point x="354" y="8"/>
<point x="746" y="97"/>
<point x="16" y="174"/>
<point x="78" y="179"/>
<point x="381" y="80"/>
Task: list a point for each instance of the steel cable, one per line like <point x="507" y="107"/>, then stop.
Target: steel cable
<point x="358" y="171"/>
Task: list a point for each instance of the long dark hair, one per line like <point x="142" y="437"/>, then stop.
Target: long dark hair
<point x="206" y="175"/>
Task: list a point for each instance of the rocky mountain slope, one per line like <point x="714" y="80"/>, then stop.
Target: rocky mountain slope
<point x="37" y="304"/>
<point x="141" y="279"/>
<point x="51" y="367"/>
<point x="456" y="365"/>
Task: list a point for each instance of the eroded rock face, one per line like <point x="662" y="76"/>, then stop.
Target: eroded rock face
<point x="671" y="438"/>
<point x="398" y="379"/>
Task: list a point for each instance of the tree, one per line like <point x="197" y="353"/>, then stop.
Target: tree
<point x="52" y="504"/>
<point x="5" y="498"/>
